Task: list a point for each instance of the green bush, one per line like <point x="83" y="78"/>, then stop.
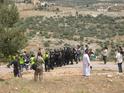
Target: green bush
<point x="11" y="40"/>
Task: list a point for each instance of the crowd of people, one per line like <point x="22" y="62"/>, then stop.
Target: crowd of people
<point x="119" y="56"/>
<point x="58" y="58"/>
<point x="50" y="59"/>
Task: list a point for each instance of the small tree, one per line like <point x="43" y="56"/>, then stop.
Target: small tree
<point x="11" y="40"/>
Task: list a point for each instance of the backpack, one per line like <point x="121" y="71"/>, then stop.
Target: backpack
<point x="34" y="66"/>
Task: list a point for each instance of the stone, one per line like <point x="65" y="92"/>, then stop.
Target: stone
<point x="109" y="76"/>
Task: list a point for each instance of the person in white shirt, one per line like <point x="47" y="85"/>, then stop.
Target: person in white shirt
<point x="86" y="64"/>
<point x="119" y="60"/>
<point x="105" y="54"/>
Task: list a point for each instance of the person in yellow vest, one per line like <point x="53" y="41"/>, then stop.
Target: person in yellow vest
<point x="46" y="59"/>
<point x="11" y="57"/>
<point x="33" y="61"/>
<point x="16" y="67"/>
<point x="21" y="62"/>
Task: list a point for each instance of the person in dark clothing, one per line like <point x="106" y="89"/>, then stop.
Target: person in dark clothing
<point x="67" y="56"/>
<point x="63" y="56"/>
<point x="16" y="67"/>
<point x="60" y="58"/>
<point x="74" y="52"/>
<point x="57" y="54"/>
<point x="26" y="57"/>
<point x="51" y="59"/>
<point x="71" y="55"/>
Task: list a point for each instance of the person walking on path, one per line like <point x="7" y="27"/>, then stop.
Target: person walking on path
<point x="86" y="64"/>
<point x="105" y="54"/>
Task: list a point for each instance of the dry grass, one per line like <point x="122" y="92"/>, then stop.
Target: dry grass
<point x="65" y="80"/>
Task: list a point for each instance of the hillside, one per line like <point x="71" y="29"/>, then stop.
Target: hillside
<point x="83" y="2"/>
<point x="74" y="27"/>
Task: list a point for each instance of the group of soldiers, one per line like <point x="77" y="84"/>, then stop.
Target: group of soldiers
<point x="62" y="56"/>
<point x="51" y="59"/>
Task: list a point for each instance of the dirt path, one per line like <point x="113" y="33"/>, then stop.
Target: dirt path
<point x="67" y="70"/>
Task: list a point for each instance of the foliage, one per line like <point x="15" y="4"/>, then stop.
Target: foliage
<point x="11" y="40"/>
<point x="8" y="15"/>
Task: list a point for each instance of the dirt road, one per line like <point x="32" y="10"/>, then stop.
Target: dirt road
<point x="75" y="69"/>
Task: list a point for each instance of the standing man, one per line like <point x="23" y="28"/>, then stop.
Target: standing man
<point x="38" y="74"/>
<point x="105" y="54"/>
<point x="16" y="67"/>
<point x="119" y="60"/>
<point x="51" y="59"/>
<point x="26" y="60"/>
<point x="86" y="64"/>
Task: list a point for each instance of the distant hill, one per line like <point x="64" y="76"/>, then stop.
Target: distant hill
<point x="80" y="2"/>
<point x="70" y="27"/>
